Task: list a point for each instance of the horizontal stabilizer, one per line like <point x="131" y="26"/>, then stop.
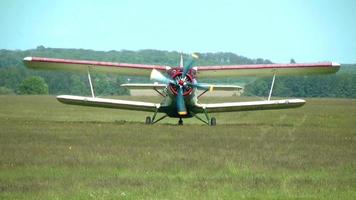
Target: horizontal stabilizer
<point x="250" y="105"/>
<point x="144" y="86"/>
<point x="108" y="103"/>
<point x="221" y="87"/>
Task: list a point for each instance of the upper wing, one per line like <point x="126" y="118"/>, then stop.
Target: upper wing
<point x="267" y="69"/>
<point x="249" y="106"/>
<point x="108" y="103"/>
<point x="83" y="65"/>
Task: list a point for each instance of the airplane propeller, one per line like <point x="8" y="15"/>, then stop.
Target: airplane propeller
<point x="180" y="83"/>
<point x="180" y="103"/>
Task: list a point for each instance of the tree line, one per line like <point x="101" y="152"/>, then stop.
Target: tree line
<point x="15" y="78"/>
<point x="341" y="85"/>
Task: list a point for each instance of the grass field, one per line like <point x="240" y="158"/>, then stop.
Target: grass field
<point x="53" y="151"/>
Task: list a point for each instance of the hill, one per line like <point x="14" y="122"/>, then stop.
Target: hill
<point x="13" y="74"/>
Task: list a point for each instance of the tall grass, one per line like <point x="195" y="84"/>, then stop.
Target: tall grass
<point x="53" y="151"/>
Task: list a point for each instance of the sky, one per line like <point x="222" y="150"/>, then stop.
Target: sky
<point x="278" y="30"/>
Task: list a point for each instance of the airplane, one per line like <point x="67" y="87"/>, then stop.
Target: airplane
<point x="179" y="87"/>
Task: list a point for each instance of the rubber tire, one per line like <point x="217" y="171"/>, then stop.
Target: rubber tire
<point x="148" y="120"/>
<point x="180" y="122"/>
<point x="213" y="121"/>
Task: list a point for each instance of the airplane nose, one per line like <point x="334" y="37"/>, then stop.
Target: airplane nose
<point x="181" y="82"/>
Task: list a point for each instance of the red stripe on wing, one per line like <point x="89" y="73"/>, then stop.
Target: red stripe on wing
<point x="267" y="66"/>
<point x="97" y="63"/>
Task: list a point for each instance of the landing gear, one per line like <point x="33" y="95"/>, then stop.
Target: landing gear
<point x="180" y="122"/>
<point x="208" y="121"/>
<point x="148" y="120"/>
<point x="153" y="120"/>
<point x="212" y="121"/>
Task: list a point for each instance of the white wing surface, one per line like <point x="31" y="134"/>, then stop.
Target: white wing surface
<point x="108" y="103"/>
<point x="249" y="106"/>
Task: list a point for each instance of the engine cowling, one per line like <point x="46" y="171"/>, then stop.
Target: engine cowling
<point x="176" y="74"/>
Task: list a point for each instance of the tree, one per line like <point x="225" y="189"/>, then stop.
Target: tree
<point x="13" y="73"/>
<point x="77" y="86"/>
<point x="121" y="90"/>
<point x="34" y="85"/>
<point x="5" y="90"/>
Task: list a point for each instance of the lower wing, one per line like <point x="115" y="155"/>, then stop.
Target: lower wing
<point x="108" y="103"/>
<point x="249" y="106"/>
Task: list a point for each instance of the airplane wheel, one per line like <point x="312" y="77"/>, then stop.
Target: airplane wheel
<point x="148" y="120"/>
<point x="213" y="121"/>
<point x="180" y="122"/>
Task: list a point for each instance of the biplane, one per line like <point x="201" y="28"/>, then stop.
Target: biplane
<point x="179" y="86"/>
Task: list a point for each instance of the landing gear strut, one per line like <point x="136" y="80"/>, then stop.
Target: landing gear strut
<point x="209" y="121"/>
<point x="180" y="122"/>
<point x="153" y="120"/>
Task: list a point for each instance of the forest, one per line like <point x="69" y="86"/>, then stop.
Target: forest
<point x="16" y="79"/>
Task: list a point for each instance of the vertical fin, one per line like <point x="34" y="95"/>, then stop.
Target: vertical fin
<point x="181" y="61"/>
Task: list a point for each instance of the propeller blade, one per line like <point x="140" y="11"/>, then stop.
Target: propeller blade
<point x="182" y="110"/>
<point x="187" y="67"/>
<point x="195" y="55"/>
<point x="190" y="64"/>
<point x="158" y="76"/>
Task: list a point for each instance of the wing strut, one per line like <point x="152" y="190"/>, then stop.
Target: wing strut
<point x="203" y="93"/>
<point x="91" y="85"/>
<point x="160" y="93"/>
<point x="270" y="91"/>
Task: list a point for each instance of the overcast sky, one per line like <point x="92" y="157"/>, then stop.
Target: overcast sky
<point x="306" y="30"/>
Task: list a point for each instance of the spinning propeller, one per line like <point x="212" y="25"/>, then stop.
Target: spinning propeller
<point x="181" y="82"/>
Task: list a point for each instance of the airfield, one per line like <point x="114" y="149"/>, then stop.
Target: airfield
<point x="49" y="150"/>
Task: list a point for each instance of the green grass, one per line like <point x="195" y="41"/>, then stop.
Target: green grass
<point x="53" y="151"/>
